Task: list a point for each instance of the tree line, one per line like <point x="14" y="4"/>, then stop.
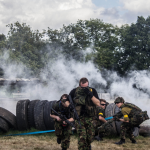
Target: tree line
<point x="114" y="48"/>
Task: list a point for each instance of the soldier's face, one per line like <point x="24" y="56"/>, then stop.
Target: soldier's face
<point x="66" y="104"/>
<point x="103" y="105"/>
<point x="119" y="104"/>
<point x="84" y="84"/>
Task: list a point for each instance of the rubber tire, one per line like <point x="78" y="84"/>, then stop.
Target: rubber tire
<point x="9" y="117"/>
<point x="38" y="115"/>
<point x="4" y="125"/>
<point x="109" y="112"/>
<point x="49" y="122"/>
<point x="31" y="106"/>
<point x="21" y="114"/>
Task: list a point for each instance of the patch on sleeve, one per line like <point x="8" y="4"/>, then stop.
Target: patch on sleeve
<point x="125" y="116"/>
<point x="90" y="89"/>
<point x="100" y="114"/>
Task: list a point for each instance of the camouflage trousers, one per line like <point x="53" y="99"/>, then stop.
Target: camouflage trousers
<point x="63" y="132"/>
<point x="127" y="127"/>
<point x="103" y="129"/>
<point x="85" y="133"/>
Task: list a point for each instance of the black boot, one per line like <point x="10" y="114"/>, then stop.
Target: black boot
<point x="122" y="141"/>
<point x="58" y="140"/>
<point x="90" y="147"/>
<point x="99" y="137"/>
<point x="64" y="148"/>
<point x="134" y="142"/>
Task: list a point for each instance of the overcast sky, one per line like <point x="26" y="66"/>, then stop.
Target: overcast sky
<point x="41" y="14"/>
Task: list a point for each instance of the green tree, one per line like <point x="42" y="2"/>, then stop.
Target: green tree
<point x="25" y="45"/>
<point x="135" y="50"/>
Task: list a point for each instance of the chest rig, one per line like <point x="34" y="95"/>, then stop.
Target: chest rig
<point x="84" y="105"/>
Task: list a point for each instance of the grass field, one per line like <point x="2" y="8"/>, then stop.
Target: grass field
<point x="47" y="141"/>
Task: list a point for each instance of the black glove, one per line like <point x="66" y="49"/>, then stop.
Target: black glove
<point x="71" y="107"/>
<point x="88" y="92"/>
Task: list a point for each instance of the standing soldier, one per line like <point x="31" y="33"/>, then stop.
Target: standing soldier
<point x="85" y="99"/>
<point x="132" y="117"/>
<point x="62" y="129"/>
<point x="99" y="120"/>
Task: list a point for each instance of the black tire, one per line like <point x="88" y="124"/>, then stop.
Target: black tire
<point x="9" y="117"/>
<point x="109" y="112"/>
<point x="49" y="123"/>
<point x="38" y="115"/>
<point x="136" y="131"/>
<point x="21" y="114"/>
<point x="31" y="106"/>
<point x="4" y="125"/>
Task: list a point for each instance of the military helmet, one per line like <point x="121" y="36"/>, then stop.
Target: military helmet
<point x="119" y="100"/>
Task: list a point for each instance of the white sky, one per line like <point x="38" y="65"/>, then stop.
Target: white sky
<point x="40" y="14"/>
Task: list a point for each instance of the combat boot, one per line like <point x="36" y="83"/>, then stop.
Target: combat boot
<point x="64" y="148"/>
<point x="134" y="142"/>
<point x="90" y="147"/>
<point x="99" y="137"/>
<point x="58" y="140"/>
<point x="122" y="141"/>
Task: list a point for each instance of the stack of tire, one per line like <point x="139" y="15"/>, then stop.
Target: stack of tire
<point x="34" y="114"/>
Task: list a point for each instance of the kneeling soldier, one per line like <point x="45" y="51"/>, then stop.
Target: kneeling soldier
<point x="133" y="116"/>
<point x="100" y="120"/>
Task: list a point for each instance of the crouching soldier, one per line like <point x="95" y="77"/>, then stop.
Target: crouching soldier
<point x="63" y="116"/>
<point x="133" y="116"/>
<point x="100" y="120"/>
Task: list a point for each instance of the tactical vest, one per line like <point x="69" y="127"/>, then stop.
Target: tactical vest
<point x="135" y="109"/>
<point x="83" y="104"/>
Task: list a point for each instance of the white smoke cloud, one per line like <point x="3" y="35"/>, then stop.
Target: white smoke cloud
<point x="139" y="96"/>
<point x="62" y="76"/>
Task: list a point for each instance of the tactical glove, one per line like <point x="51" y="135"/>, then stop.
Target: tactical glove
<point x="88" y="92"/>
<point x="71" y="107"/>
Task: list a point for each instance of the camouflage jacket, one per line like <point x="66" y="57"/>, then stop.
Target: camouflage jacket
<point x="130" y="110"/>
<point x="99" y="112"/>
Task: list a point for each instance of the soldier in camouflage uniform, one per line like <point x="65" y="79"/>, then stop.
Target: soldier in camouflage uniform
<point x="62" y="130"/>
<point x="133" y="116"/>
<point x="85" y="99"/>
<point x="99" y="120"/>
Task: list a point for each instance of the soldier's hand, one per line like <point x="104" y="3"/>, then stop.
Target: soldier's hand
<point x="88" y="92"/>
<point x="58" y="119"/>
<point x="64" y="122"/>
